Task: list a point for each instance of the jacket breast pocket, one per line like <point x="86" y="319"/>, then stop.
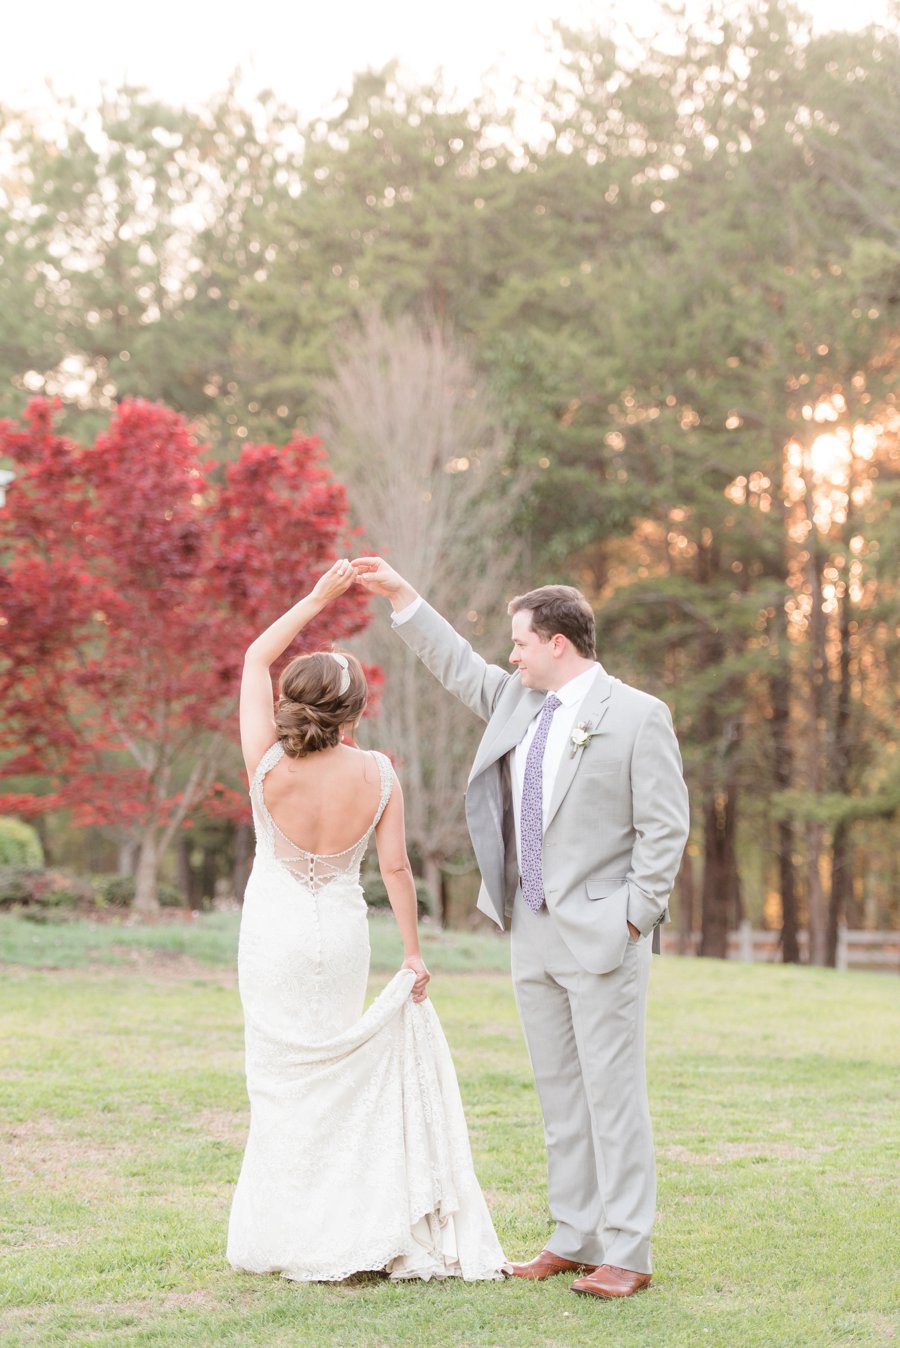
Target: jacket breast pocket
<point x="597" y="765"/>
<point x="604" y="888"/>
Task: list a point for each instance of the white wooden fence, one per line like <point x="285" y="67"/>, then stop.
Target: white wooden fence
<point x="855" y="949"/>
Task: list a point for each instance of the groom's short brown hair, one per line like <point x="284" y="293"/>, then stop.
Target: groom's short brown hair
<point x="563" y="609"/>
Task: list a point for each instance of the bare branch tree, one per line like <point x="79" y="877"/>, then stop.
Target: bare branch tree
<point x="411" y="429"/>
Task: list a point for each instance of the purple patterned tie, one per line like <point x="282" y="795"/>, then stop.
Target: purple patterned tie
<point x="531" y="818"/>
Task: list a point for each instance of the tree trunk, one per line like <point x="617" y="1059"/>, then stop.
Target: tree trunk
<point x="719" y="890"/>
<point x="128" y="851"/>
<point x="243" y="837"/>
<point x="841" y="887"/>
<point x="841" y="750"/>
<point x="686" y="903"/>
<point x="434" y="879"/>
<point x="780" y="703"/>
<point x="145" y="900"/>
<point x="779" y="697"/>
<point x="790" y="939"/>
<point x="815" y="903"/>
<point x="44" y="834"/>
<point x="817" y="729"/>
<point x="855" y="898"/>
<point x="183" y="867"/>
<point x="204" y="890"/>
<point x="733" y="875"/>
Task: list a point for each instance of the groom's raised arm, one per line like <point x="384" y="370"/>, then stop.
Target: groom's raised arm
<point x="439" y="646"/>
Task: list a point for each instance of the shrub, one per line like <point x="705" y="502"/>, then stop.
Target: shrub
<point x="377" y="895"/>
<point x="19" y="844"/>
<point x="41" y="891"/>
<point x="169" y="896"/>
<point x="113" y="891"/>
<point x="117" y="891"/>
<point x="37" y="889"/>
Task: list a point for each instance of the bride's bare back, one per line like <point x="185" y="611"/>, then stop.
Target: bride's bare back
<point x="324" y="802"/>
<point x="318" y="810"/>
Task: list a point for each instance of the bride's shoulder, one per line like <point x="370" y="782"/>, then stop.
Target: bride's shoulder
<point x="382" y="768"/>
<point x="372" y="762"/>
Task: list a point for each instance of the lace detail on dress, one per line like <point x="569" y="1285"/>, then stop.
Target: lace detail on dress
<point x="314" y="870"/>
<point x="358" y="1154"/>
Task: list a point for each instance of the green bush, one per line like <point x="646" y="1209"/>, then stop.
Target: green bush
<point x="377" y="896"/>
<point x="19" y="844"/>
<point x="113" y="891"/>
<point x="38" y="890"/>
<point x="117" y="891"/>
<point x="34" y="888"/>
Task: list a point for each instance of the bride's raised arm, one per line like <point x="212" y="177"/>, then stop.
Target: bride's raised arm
<point x="257" y="707"/>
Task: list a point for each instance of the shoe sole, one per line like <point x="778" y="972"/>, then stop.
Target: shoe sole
<point x="609" y="1296"/>
<point x="580" y="1269"/>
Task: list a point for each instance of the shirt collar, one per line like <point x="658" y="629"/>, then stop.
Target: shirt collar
<point x="573" y="692"/>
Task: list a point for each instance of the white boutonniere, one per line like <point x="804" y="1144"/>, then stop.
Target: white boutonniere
<point x="580" y="736"/>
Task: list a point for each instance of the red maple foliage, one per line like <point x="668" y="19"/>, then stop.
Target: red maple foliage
<point x="134" y="579"/>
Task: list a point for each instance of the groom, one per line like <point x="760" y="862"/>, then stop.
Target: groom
<point x="578" y="814"/>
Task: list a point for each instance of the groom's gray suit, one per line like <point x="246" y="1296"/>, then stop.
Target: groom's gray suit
<point x="614" y="834"/>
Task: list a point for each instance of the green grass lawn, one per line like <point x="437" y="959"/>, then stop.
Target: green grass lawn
<point x="211" y="939"/>
<point x="123" y="1117"/>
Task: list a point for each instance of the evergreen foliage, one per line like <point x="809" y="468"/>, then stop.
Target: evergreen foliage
<point x="682" y="294"/>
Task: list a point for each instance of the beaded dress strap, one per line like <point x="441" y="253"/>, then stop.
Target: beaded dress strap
<point x="386" y="773"/>
<point x="273" y="755"/>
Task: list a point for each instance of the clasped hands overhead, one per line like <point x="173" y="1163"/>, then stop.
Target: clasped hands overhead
<point x="372" y="573"/>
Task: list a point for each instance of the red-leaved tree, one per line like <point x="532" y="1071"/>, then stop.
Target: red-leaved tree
<point x="134" y="578"/>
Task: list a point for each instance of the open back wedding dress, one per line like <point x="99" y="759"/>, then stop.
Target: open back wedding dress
<point x="358" y="1154"/>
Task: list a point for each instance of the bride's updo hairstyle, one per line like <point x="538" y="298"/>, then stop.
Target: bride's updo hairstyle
<point x="317" y="695"/>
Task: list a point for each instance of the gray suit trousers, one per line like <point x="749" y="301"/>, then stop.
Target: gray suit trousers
<point x="585" y="1036"/>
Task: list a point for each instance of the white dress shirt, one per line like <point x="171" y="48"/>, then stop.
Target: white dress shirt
<point x="402" y="615"/>
<point x="571" y="695"/>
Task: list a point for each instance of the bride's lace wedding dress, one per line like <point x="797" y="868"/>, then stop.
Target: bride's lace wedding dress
<point x="358" y="1153"/>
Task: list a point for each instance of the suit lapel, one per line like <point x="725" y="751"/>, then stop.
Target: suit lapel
<point x="590" y="713"/>
<point x="507" y="735"/>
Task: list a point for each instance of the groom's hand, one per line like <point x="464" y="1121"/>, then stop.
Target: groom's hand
<point x="374" y="575"/>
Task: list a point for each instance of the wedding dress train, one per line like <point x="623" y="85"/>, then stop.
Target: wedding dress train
<point x="358" y="1153"/>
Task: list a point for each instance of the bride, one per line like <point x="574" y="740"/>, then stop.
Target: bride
<point x="358" y="1155"/>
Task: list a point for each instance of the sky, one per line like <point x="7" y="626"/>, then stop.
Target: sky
<point x="305" y="50"/>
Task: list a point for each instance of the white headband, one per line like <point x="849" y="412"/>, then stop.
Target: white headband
<point x="345" y="666"/>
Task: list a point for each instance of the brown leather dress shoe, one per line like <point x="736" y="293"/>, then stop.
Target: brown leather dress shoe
<point x="609" y="1281"/>
<point x="547" y="1265"/>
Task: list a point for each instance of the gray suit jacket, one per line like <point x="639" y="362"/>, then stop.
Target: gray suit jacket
<point x="618" y="818"/>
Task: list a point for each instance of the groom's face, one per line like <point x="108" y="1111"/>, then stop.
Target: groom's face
<point x="532" y="656"/>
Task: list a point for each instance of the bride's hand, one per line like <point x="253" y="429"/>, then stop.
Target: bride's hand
<point x="335" y="582"/>
<point x="417" y="964"/>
